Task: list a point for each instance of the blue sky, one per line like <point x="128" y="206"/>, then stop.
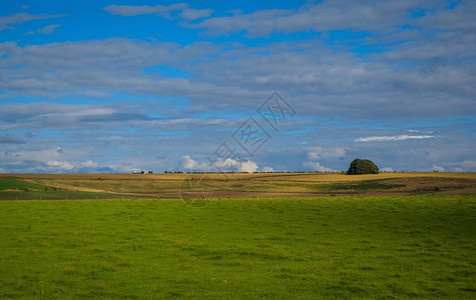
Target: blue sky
<point x="123" y="86"/>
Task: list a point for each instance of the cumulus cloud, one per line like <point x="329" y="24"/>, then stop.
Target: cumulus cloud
<point x="230" y="164"/>
<point x="393" y="138"/>
<point x="386" y="169"/>
<point x="189" y="163"/>
<point x="316" y="166"/>
<point x="222" y="165"/>
<point x="267" y="169"/>
<point x="248" y="166"/>
<point x="438" y="168"/>
<point x="327" y="154"/>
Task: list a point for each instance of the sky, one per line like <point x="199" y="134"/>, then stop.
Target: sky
<point x="125" y="86"/>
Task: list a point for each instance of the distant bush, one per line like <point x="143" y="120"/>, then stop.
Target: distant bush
<point x="362" y="166"/>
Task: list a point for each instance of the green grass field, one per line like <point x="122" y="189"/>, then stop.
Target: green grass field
<point x="12" y="184"/>
<point x="343" y="247"/>
<point x="13" y="189"/>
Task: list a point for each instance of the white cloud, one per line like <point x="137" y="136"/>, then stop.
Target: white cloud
<point x="122" y="168"/>
<point x="386" y="169"/>
<point x="347" y="86"/>
<point x="267" y="169"/>
<point x="327" y="15"/>
<point x="438" y="168"/>
<point x="317" y="153"/>
<point x="195" y="14"/>
<point x="392" y="138"/>
<point x="466" y="165"/>
<point x="89" y="163"/>
<point x="22" y="18"/>
<point x="224" y="165"/>
<point x="134" y="10"/>
<point x="186" y="12"/>
<point x="48" y="154"/>
<point x="64" y="165"/>
<point x="248" y="166"/>
<point x="48" y="29"/>
<point x="315" y="166"/>
<point x="189" y="163"/>
<point x="235" y="165"/>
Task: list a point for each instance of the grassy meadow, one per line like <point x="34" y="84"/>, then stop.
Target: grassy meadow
<point x="18" y="189"/>
<point x="397" y="247"/>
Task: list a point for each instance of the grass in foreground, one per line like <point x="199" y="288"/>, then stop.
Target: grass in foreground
<point x="345" y="247"/>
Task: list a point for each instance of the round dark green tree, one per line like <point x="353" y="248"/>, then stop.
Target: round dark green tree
<point x="362" y="166"/>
